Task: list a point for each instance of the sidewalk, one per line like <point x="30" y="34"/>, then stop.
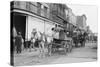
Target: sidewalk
<point x="27" y="53"/>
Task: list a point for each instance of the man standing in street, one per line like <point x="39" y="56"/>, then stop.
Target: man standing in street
<point x="82" y="38"/>
<point x="75" y="38"/>
<point x="18" y="42"/>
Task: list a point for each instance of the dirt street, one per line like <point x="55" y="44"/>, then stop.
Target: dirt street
<point x="81" y="54"/>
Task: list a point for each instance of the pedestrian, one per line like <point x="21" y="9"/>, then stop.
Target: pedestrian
<point x="75" y="38"/>
<point x="18" y="42"/>
<point x="82" y="39"/>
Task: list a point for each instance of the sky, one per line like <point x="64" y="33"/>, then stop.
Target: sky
<point x="90" y="12"/>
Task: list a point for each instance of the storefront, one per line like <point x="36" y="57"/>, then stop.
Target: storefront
<point x="25" y="22"/>
<point x="33" y="23"/>
<point x="40" y="24"/>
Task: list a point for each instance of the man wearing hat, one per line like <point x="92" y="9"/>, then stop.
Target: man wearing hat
<point x="18" y="42"/>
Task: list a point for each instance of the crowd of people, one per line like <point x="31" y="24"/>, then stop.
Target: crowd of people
<point x="79" y="37"/>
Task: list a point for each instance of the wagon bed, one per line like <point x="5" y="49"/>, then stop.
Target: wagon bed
<point x="58" y="43"/>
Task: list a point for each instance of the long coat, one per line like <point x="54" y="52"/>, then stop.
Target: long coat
<point x="18" y="42"/>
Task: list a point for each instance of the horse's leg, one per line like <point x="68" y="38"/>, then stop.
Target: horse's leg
<point x="41" y="49"/>
<point x="49" y="49"/>
<point x="30" y="46"/>
<point x="33" y="44"/>
<point x="41" y="52"/>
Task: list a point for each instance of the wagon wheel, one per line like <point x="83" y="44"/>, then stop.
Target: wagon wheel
<point x="65" y="47"/>
<point x="70" y="46"/>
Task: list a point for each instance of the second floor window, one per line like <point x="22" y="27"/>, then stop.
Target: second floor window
<point x="38" y="8"/>
<point x="45" y="11"/>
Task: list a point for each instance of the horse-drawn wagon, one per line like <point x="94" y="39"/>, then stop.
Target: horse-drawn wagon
<point x="63" y="42"/>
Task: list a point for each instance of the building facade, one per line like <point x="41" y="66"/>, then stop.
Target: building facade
<point x="81" y="22"/>
<point x="27" y="16"/>
<point x="72" y="18"/>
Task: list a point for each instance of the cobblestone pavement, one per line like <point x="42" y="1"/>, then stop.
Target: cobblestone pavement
<point x="81" y="54"/>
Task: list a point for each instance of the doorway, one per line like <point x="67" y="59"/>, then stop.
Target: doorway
<point x="19" y="22"/>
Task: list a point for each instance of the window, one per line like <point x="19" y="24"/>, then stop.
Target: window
<point x="45" y="11"/>
<point x="38" y="8"/>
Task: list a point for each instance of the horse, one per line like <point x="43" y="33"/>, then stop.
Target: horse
<point x="42" y="43"/>
<point x="39" y="42"/>
<point x="49" y="41"/>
